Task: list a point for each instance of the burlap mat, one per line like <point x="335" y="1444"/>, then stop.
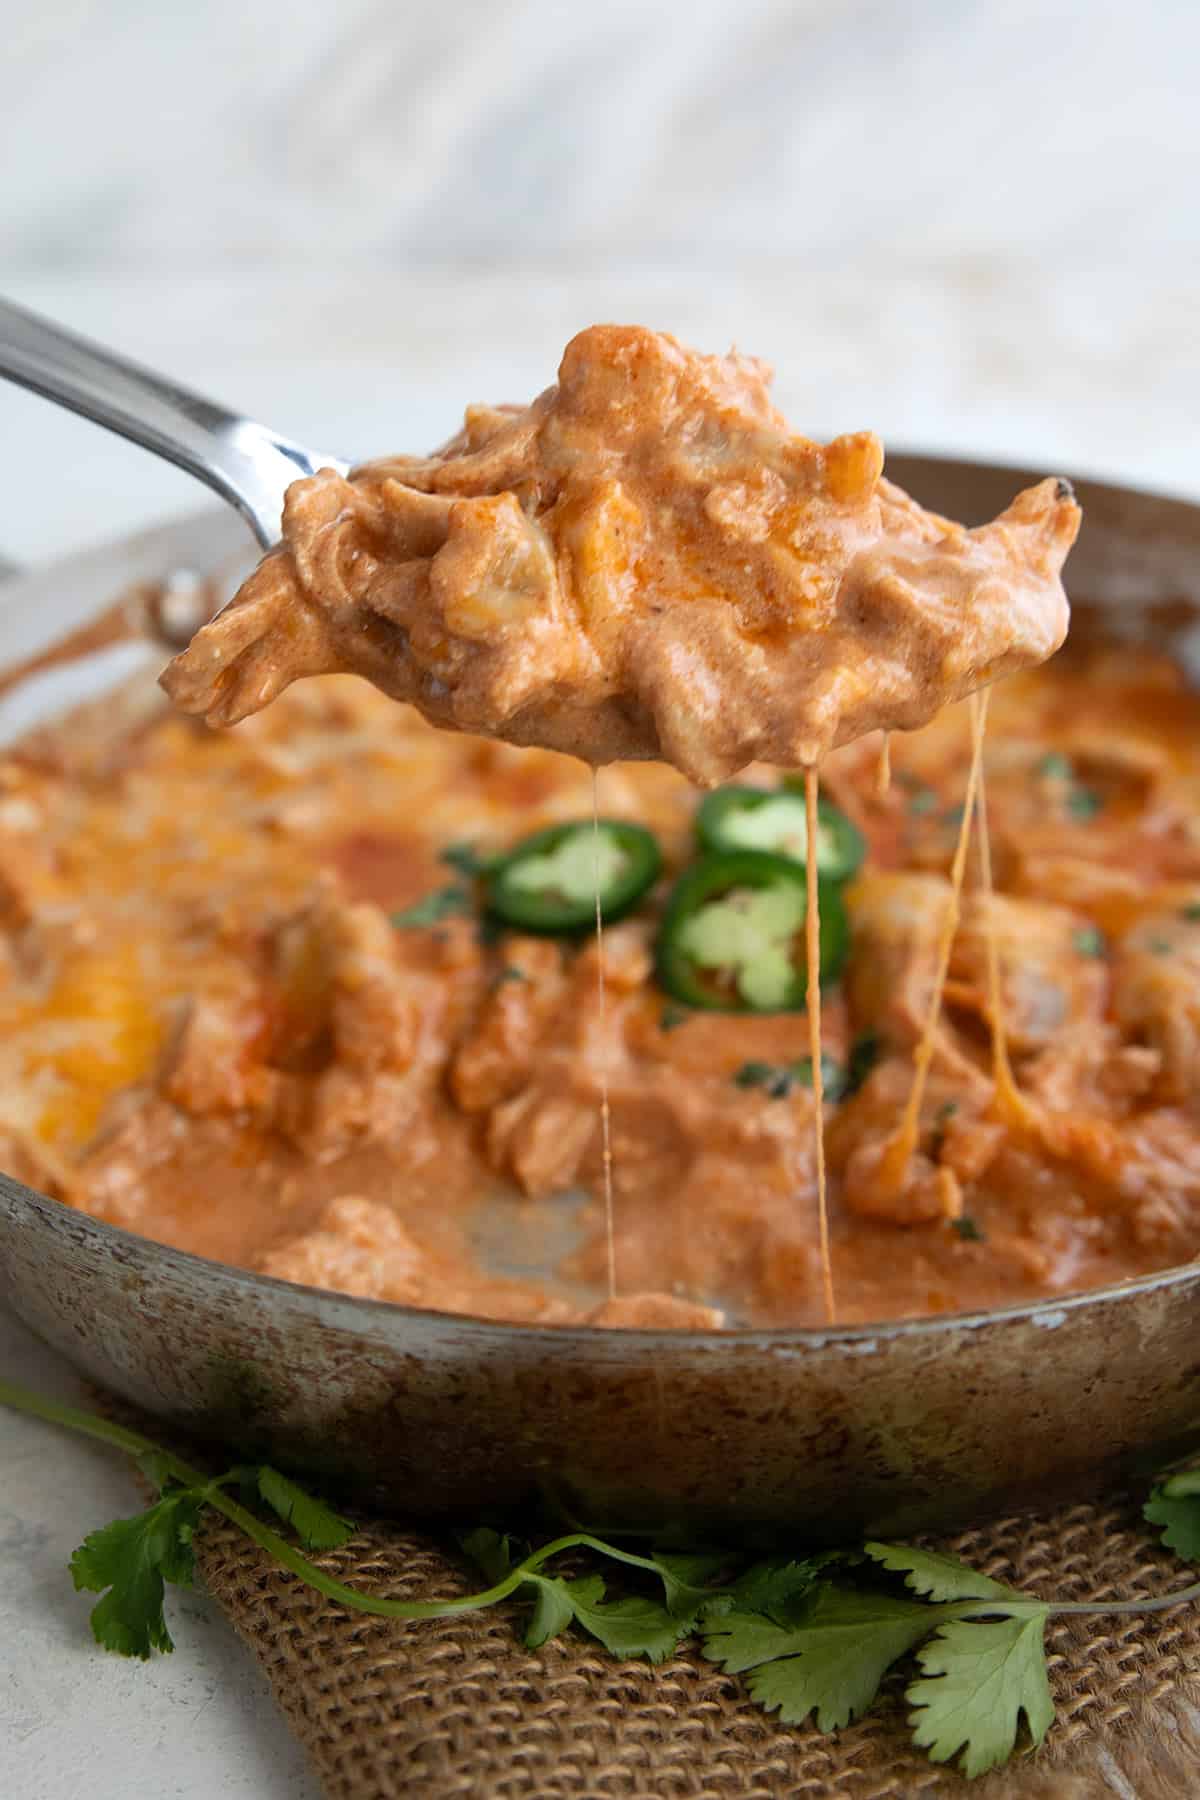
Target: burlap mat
<point x="460" y="1708"/>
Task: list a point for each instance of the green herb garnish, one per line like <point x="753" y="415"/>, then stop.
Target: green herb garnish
<point x="1191" y="911"/>
<point x="1084" y="803"/>
<point x="672" y="1016"/>
<point x="968" y="1230"/>
<point x="780" y="1078"/>
<point x="864" y="1054"/>
<point x="1089" y="941"/>
<point x="1056" y="767"/>
<point x="1175" y="1505"/>
<point x="922" y="800"/>
<point x="465" y="859"/>
<point x="443" y="903"/>
<point x="755" y="1074"/>
<point x="509" y="972"/>
<point x="815" y="1635"/>
<point x="833" y="1076"/>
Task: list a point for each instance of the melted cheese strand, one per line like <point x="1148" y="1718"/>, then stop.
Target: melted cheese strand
<point x="812" y="999"/>
<point x="1007" y="1098"/>
<point x="883" y="774"/>
<point x="894" y="1166"/>
<point x="610" y="1245"/>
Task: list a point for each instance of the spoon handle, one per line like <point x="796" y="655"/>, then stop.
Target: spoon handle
<point x="248" y="464"/>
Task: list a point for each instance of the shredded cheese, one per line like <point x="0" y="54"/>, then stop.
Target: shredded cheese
<point x="1007" y="1099"/>
<point x="610" y="1243"/>
<point x="883" y="774"/>
<point x="893" y="1167"/>
<point x="812" y="944"/>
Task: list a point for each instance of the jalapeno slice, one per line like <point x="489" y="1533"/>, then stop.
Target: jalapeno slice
<point x="732" y="936"/>
<point x="774" y="819"/>
<point x="549" y="882"/>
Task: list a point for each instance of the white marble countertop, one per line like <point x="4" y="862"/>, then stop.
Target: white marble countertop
<point x="74" y="1721"/>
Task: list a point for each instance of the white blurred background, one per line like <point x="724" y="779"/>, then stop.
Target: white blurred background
<point x="971" y="224"/>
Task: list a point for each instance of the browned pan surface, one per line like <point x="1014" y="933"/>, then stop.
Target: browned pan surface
<point x="886" y="1427"/>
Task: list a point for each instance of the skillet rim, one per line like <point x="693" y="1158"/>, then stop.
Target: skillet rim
<point x="1046" y="1313"/>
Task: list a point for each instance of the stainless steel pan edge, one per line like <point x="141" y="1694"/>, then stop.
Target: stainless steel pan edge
<point x="887" y="1428"/>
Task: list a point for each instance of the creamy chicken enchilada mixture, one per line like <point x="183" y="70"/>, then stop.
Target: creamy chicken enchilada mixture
<point x="319" y="995"/>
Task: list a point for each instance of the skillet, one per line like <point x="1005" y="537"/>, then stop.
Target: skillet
<point x="885" y="1428"/>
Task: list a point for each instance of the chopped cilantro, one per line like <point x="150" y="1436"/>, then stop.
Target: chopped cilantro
<point x="1191" y="911"/>
<point x="672" y="1016"/>
<point x="833" y="1076"/>
<point x="755" y="1074"/>
<point x="509" y="972"/>
<point x="1056" y="767"/>
<point x="780" y="1078"/>
<point x="968" y="1230"/>
<point x="864" y="1054"/>
<point x="1159" y="946"/>
<point x="1089" y="941"/>
<point x="1084" y="803"/>
<point x="435" y="907"/>
<point x="465" y="859"/>
<point x="922" y="800"/>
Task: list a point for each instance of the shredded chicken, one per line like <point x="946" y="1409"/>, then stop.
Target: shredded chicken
<point x="645" y="563"/>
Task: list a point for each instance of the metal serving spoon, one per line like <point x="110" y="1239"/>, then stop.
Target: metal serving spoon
<point x="248" y="464"/>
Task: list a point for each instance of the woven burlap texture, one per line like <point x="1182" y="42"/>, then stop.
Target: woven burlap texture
<point x="459" y="1707"/>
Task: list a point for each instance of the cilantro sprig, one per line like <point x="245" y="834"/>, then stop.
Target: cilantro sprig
<point x="814" y="1636"/>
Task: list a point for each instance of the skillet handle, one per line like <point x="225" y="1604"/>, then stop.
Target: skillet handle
<point x="248" y="464"/>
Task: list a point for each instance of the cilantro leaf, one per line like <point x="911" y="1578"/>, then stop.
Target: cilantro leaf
<point x="554" y="1607"/>
<point x="938" y="1577"/>
<point x="776" y="1585"/>
<point x="489" y="1551"/>
<point x="434" y="908"/>
<point x="632" y="1626"/>
<point x="129" y="1562"/>
<point x="316" y="1525"/>
<point x="1175" y="1505"/>
<point x="687" y="1580"/>
<point x="829" y="1663"/>
<point x="979" y="1679"/>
